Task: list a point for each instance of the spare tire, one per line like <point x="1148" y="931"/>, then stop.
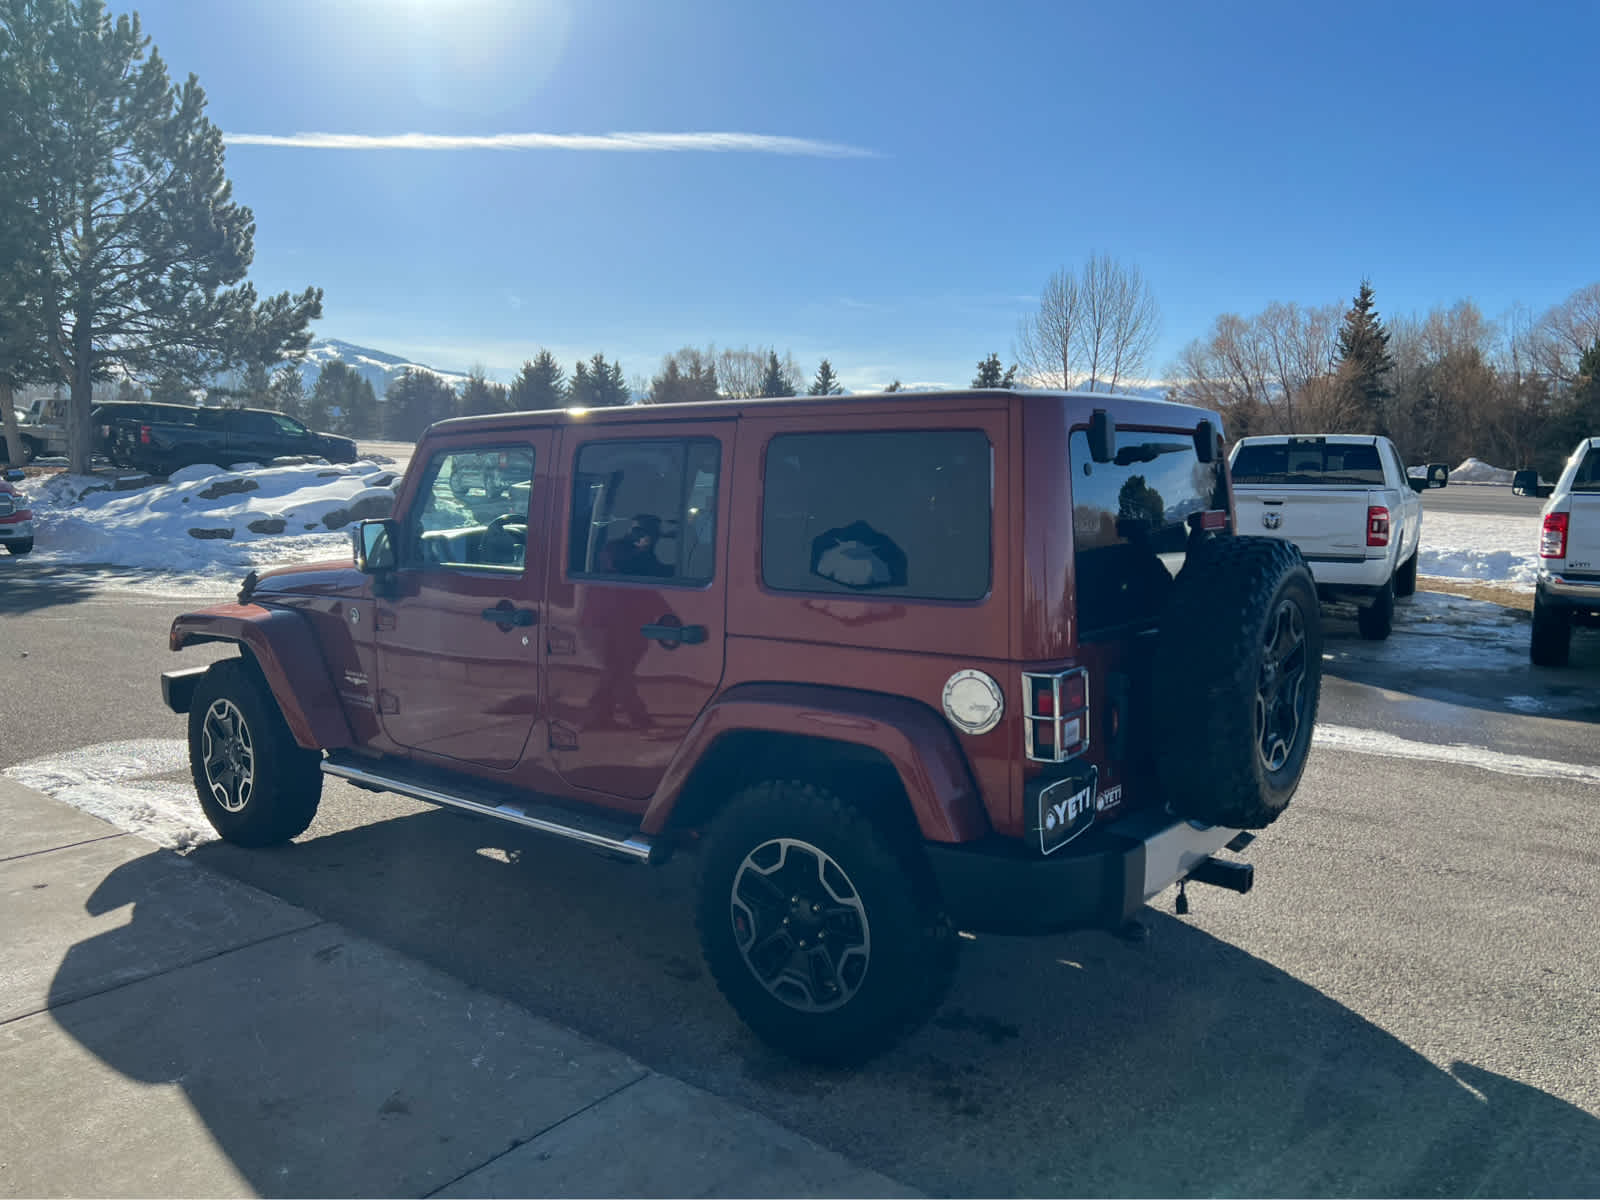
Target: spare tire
<point x="1238" y="675"/>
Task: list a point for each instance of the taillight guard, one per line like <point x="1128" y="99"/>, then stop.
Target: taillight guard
<point x="1055" y="715"/>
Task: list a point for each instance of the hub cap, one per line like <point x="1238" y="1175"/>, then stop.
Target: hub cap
<point x="800" y="925"/>
<point x="228" y="755"/>
<point x="1280" y="690"/>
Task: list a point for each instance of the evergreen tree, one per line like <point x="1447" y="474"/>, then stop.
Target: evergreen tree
<point x="826" y="383"/>
<point x="342" y="402"/>
<point x="145" y="249"/>
<point x="776" y="381"/>
<point x="990" y="374"/>
<point x="598" y="384"/>
<point x="687" y="377"/>
<point x="894" y="387"/>
<point x="668" y="387"/>
<point x="1365" y="363"/>
<point x="540" y="385"/>
<point x="480" y="397"/>
<point x="257" y="386"/>
<point x="414" y="401"/>
<point x="289" y="392"/>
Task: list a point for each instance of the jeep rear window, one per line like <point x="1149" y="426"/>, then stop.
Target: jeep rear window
<point x="903" y="514"/>
<point x="1130" y="522"/>
<point x="1308" y="461"/>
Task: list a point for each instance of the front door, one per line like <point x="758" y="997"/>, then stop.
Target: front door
<point x="636" y="604"/>
<point x="458" y="644"/>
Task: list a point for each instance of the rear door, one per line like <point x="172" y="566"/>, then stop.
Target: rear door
<point x="457" y="645"/>
<point x="1309" y="491"/>
<point x="636" y="603"/>
<point x="1583" y="522"/>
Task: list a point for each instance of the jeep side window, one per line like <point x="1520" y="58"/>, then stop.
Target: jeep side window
<point x="645" y="509"/>
<point x="892" y="513"/>
<point x="1130" y="522"/>
<point x="471" y="511"/>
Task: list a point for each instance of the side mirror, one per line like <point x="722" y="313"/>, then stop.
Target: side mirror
<point x="1438" y="475"/>
<point x="1525" y="482"/>
<point x="15" y="476"/>
<point x="1102" y="436"/>
<point x="1206" y="442"/>
<point x="374" y="545"/>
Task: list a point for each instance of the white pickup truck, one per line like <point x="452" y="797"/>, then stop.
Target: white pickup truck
<point x="1568" y="589"/>
<point x="1348" y="503"/>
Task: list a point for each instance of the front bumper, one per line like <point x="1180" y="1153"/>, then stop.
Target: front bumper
<point x="1099" y="881"/>
<point x="16" y="530"/>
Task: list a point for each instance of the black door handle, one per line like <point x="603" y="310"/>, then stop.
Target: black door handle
<point x="672" y="635"/>
<point x="509" y="616"/>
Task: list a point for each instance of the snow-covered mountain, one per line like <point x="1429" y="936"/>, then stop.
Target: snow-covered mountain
<point x="375" y="366"/>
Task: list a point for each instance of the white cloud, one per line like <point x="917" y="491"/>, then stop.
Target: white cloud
<point x="722" y="143"/>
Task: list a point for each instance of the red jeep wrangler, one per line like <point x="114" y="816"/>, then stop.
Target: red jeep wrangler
<point x="982" y="660"/>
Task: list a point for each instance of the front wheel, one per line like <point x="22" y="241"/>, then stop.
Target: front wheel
<point x="822" y="929"/>
<point x="21" y="546"/>
<point x="257" y="787"/>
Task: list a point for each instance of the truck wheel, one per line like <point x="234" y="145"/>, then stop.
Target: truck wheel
<point x="21" y="546"/>
<point x="30" y="448"/>
<point x="1405" y="579"/>
<point x="1237" y="679"/>
<point x="822" y="930"/>
<point x="256" y="785"/>
<point x="1552" y="634"/>
<point x="1376" y="620"/>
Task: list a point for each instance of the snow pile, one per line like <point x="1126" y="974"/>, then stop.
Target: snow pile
<point x="1475" y="470"/>
<point x="1491" y="549"/>
<point x="121" y="782"/>
<point x="208" y="521"/>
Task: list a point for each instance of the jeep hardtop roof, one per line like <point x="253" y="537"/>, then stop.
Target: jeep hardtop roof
<point x="1134" y="411"/>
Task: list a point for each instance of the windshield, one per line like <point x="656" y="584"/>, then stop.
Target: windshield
<point x="1309" y="462"/>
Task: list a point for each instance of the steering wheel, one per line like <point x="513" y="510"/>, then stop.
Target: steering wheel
<point x="504" y="526"/>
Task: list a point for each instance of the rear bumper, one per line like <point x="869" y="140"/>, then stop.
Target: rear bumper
<point x="1098" y="882"/>
<point x="1350" y="577"/>
<point x="1567" y="591"/>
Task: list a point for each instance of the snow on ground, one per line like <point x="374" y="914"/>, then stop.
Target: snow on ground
<point x="1487" y="548"/>
<point x="118" y="782"/>
<point x="205" y="522"/>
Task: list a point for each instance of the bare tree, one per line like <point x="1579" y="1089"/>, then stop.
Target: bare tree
<point x="1097" y="325"/>
<point x="1565" y="332"/>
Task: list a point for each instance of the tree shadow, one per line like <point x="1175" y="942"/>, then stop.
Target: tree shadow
<point x="1072" y="1065"/>
<point x="27" y="586"/>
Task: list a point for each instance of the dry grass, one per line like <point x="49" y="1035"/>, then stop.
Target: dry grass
<point x="1503" y="594"/>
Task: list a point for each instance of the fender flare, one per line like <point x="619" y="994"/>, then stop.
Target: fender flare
<point x="917" y="743"/>
<point x="284" y="647"/>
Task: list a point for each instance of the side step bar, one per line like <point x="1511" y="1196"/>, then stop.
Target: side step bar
<point x="611" y="836"/>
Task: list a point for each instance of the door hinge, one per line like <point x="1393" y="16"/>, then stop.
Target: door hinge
<point x="563" y="737"/>
<point x="388" y="702"/>
<point x="384" y="619"/>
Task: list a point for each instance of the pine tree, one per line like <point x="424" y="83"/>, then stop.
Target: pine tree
<point x="146" y="250"/>
<point x="414" y="401"/>
<point x="775" y="382"/>
<point x="597" y="384"/>
<point x="257" y="386"/>
<point x="342" y="402"/>
<point x="540" y="385"/>
<point x="826" y="383"/>
<point x="480" y="397"/>
<point x="687" y="377"/>
<point x="289" y="392"/>
<point x="1365" y="363"/>
<point x="991" y="376"/>
<point x="895" y="386"/>
<point x="669" y="386"/>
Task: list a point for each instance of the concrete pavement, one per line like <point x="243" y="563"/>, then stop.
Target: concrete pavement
<point x="168" y="1031"/>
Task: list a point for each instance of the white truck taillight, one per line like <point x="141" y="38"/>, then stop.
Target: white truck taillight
<point x="1377" y="525"/>
<point x="1553" y="538"/>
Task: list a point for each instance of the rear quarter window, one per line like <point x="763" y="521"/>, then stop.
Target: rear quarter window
<point x="893" y="513"/>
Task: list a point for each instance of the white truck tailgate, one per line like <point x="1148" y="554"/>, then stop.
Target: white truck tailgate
<point x="1583" y="532"/>
<point x="1322" y="522"/>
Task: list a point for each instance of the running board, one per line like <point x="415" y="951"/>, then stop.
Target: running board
<point x="598" y="832"/>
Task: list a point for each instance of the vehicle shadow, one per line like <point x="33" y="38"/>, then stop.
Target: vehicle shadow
<point x="1465" y="652"/>
<point x="27" y="586"/>
<point x="1082" y="1065"/>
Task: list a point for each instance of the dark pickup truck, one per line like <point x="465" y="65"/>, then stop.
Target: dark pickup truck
<point x="224" y="436"/>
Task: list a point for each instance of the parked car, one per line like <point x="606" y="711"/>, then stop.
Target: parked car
<point x="1349" y="504"/>
<point x="893" y="667"/>
<point x="105" y="418"/>
<point x="224" y="436"/>
<point x="1567" y="592"/>
<point x="16" y="517"/>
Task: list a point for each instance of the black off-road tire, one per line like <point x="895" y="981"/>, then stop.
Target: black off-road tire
<point x="1376" y="620"/>
<point x="1551" y="641"/>
<point x="1228" y="750"/>
<point x="21" y="546"/>
<point x="1405" y="579"/>
<point x="911" y="947"/>
<point x="285" y="783"/>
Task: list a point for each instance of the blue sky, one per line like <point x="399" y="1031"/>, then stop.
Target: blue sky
<point x="1238" y="153"/>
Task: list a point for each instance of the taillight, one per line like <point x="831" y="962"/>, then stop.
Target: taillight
<point x="1553" y="540"/>
<point x="1056" y="718"/>
<point x="144" y="435"/>
<point x="1377" y="525"/>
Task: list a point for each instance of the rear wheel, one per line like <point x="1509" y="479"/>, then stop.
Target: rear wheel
<point x="256" y="785"/>
<point x="1405" y="579"/>
<point x="821" y="927"/>
<point x="1376" y="620"/>
<point x="1238" y="678"/>
<point x="1551" y="643"/>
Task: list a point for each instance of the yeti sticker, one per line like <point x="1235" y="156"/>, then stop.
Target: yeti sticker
<point x="1066" y="809"/>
